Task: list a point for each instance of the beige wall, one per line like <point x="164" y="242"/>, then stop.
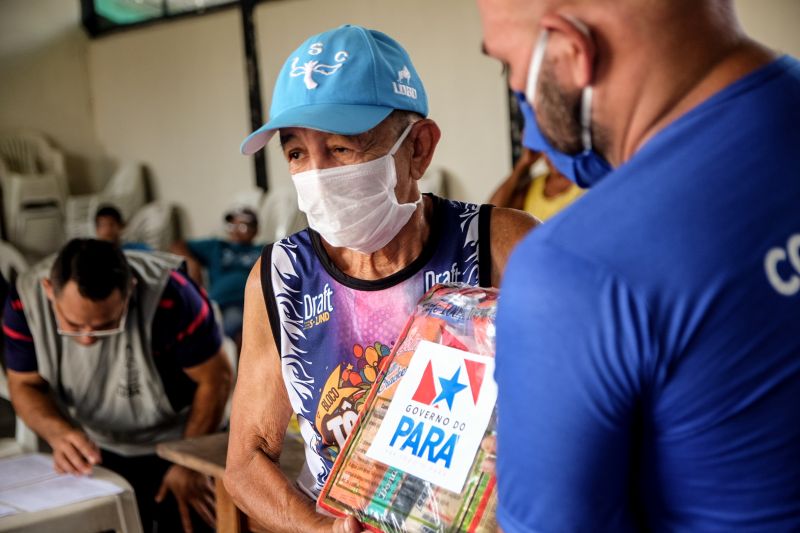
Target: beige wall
<point x="44" y="81"/>
<point x="173" y="95"/>
<point x="773" y="22"/>
<point x="465" y="89"/>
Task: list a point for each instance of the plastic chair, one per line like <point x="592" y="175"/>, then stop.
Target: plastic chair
<point x="434" y="181"/>
<point x="12" y="262"/>
<point x="278" y="214"/>
<point x="28" y="153"/>
<point x="34" y="186"/>
<point x="153" y="224"/>
<point x="126" y="190"/>
<point x="34" y="214"/>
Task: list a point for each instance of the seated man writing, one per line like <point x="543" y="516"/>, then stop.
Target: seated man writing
<point x="324" y="306"/>
<point x="130" y="348"/>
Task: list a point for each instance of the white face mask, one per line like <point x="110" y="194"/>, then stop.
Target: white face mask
<point x="355" y="206"/>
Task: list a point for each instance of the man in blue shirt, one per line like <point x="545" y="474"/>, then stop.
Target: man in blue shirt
<point x="648" y="354"/>
<point x="227" y="262"/>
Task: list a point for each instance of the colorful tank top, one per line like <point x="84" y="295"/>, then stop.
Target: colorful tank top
<point x="333" y="330"/>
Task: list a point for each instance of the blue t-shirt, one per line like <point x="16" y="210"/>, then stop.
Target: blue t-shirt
<point x="137" y="246"/>
<point x="228" y="265"/>
<point x="648" y="352"/>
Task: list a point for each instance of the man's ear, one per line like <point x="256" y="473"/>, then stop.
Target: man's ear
<point x="572" y="49"/>
<point x="49" y="291"/>
<point x="426" y="135"/>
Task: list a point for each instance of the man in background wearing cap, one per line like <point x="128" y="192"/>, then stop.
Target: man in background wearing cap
<point x="324" y="306"/>
<point x="227" y="261"/>
<point x="648" y="355"/>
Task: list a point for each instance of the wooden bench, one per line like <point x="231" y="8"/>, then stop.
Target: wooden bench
<point x="207" y="455"/>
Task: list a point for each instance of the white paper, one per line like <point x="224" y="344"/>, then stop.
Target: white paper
<point x="6" y="510"/>
<point x="55" y="492"/>
<point x="438" y="415"/>
<point x="29" y="483"/>
<point x="25" y="469"/>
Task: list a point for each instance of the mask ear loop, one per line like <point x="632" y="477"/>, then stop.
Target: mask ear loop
<point x="536" y="65"/>
<point x="394" y="150"/>
<point x="587" y="94"/>
<point x="400" y="140"/>
<point x="586" y="118"/>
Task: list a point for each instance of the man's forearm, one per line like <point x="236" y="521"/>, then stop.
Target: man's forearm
<point x="38" y="410"/>
<point x="207" y="408"/>
<point x="214" y="382"/>
<point x="265" y="494"/>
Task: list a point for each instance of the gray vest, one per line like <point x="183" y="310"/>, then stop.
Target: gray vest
<point x="112" y="388"/>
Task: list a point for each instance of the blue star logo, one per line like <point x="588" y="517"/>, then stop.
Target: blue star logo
<point x="450" y="387"/>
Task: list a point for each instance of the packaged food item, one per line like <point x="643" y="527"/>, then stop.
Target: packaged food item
<point x="413" y="462"/>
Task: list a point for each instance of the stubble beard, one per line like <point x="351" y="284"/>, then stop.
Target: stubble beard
<point x="559" y="114"/>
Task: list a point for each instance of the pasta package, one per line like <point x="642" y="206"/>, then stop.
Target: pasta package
<point x="413" y="462"/>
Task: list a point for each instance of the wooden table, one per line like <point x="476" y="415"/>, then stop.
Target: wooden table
<point x="207" y="454"/>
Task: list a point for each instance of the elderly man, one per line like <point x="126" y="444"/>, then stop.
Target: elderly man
<point x="131" y="349"/>
<point x="324" y="306"/>
<point x="648" y="356"/>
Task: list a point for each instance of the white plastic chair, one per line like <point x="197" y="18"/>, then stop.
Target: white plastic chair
<point x="278" y="214"/>
<point x="34" y="186"/>
<point x="434" y="181"/>
<point x="154" y="224"/>
<point x="34" y="212"/>
<point x="126" y="190"/>
<point x="12" y="262"/>
<point x="28" y="153"/>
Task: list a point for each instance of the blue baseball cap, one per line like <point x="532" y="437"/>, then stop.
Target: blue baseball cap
<point x="344" y="81"/>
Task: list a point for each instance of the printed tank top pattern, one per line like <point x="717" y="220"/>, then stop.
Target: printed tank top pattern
<point x="333" y="331"/>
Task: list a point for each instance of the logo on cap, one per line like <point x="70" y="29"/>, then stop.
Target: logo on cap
<point x="401" y="86"/>
<point x="311" y="67"/>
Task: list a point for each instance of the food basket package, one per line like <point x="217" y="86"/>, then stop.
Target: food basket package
<point x="426" y="415"/>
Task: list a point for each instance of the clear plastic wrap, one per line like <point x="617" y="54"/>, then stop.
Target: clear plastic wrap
<point x="387" y="499"/>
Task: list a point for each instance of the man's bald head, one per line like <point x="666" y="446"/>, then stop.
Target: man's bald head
<point x="635" y="53"/>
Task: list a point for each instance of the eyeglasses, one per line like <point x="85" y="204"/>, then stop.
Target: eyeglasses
<point x="101" y="333"/>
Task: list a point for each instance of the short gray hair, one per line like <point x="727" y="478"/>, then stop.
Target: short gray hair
<point x="399" y="119"/>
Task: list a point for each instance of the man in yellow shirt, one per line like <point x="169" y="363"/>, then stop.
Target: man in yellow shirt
<point x="541" y="190"/>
